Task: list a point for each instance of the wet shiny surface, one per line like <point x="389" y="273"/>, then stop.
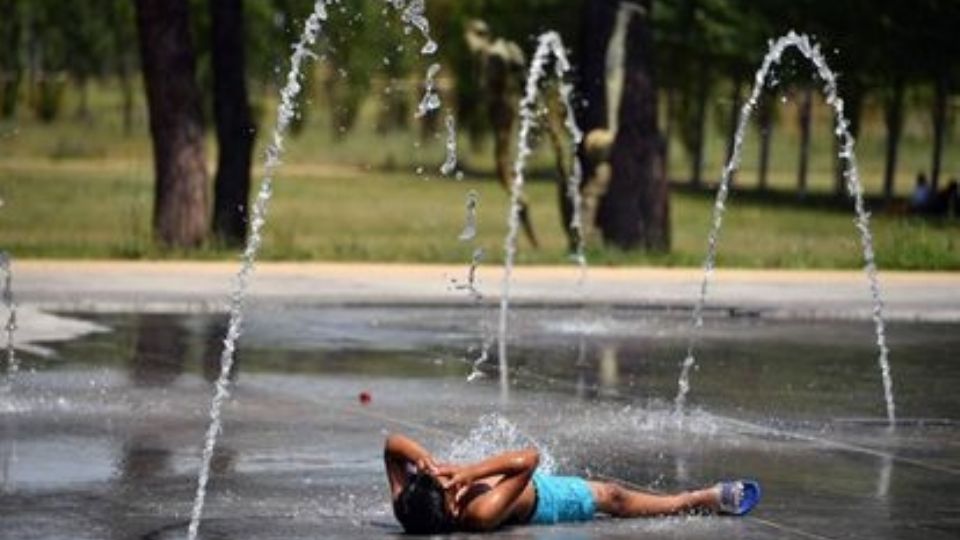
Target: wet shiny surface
<point x="103" y="440"/>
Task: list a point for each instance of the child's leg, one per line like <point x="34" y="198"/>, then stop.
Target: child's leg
<point x="619" y="501"/>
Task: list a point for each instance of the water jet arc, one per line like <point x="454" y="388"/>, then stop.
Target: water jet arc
<point x="811" y="52"/>
<point x="549" y="44"/>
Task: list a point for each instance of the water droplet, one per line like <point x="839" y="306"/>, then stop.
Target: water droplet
<point x="429" y="48"/>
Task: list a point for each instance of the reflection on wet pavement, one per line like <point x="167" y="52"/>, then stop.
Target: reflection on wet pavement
<point x="103" y="440"/>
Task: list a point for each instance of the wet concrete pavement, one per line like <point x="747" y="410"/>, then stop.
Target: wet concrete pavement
<point x="102" y="440"/>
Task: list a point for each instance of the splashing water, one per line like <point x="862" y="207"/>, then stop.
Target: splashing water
<point x="575" y="179"/>
<point x="494" y="434"/>
<point x="13" y="364"/>
<point x="470" y="224"/>
<point x="811" y="52"/>
<point x="450" y="163"/>
<point x="470" y="285"/>
<point x="9" y="453"/>
<point x="549" y="44"/>
<point x="412" y="14"/>
<point x="431" y="99"/>
<point x="286" y="112"/>
<point x="13" y="367"/>
<point x="480" y="360"/>
<point x="469" y="233"/>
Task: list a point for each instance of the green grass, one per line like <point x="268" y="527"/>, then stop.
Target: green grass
<point x="84" y="190"/>
<point x="104" y="212"/>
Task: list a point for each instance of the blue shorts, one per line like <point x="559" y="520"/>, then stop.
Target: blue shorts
<point x="562" y="499"/>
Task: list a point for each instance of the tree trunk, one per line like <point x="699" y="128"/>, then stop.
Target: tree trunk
<point x="173" y="99"/>
<point x="597" y="22"/>
<point x="235" y="129"/>
<point x="805" y="113"/>
<point x="667" y="131"/>
<point x="700" y="120"/>
<point x="765" y="123"/>
<point x="11" y="67"/>
<point x="736" y="102"/>
<point x="596" y="28"/>
<point x="893" y="117"/>
<point x="939" y="129"/>
<point x="635" y="211"/>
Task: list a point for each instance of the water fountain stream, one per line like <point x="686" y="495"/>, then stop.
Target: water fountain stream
<point x="411" y="14"/>
<point x="10" y="327"/>
<point x="13" y="367"/>
<point x="549" y="45"/>
<point x="450" y="162"/>
<point x="811" y="52"/>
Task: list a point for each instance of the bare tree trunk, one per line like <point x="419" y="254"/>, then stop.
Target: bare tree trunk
<point x="736" y="102"/>
<point x="11" y="66"/>
<point x="765" y="123"/>
<point x="893" y="116"/>
<point x="635" y="211"/>
<point x="597" y="23"/>
<point x="805" y="113"/>
<point x="939" y="129"/>
<point x="700" y="119"/>
<point x="235" y="129"/>
<point x="668" y="131"/>
<point x="180" y="194"/>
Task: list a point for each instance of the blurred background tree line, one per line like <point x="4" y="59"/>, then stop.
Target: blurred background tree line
<point x="895" y="58"/>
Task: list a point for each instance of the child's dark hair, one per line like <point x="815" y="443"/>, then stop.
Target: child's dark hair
<point x="421" y="507"/>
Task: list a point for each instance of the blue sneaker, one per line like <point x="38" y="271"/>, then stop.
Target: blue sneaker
<point x="738" y="497"/>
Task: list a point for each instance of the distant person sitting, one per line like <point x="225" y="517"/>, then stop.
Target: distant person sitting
<point x="922" y="197"/>
<point x="507" y="489"/>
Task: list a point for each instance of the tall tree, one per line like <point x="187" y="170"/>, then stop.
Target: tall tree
<point x="893" y="118"/>
<point x="120" y="20"/>
<point x="941" y="93"/>
<point x="635" y="211"/>
<point x="765" y="116"/>
<point x="805" y="113"/>
<point x="235" y="129"/>
<point x="939" y="60"/>
<point x="173" y="99"/>
<point x="596" y="28"/>
<point x="692" y="41"/>
<point x="11" y="65"/>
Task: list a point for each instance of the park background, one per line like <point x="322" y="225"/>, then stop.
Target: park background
<point x="360" y="178"/>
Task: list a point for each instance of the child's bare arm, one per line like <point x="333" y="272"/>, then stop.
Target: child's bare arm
<point x="398" y="451"/>
<point x="487" y="511"/>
